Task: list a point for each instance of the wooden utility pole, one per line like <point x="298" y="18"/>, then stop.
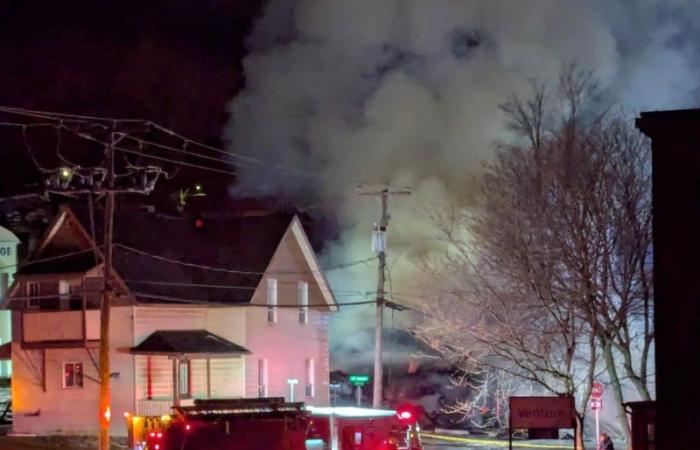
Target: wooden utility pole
<point x="379" y="245"/>
<point x="104" y="366"/>
<point x="91" y="182"/>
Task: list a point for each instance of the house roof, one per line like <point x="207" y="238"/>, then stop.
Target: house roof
<point x="148" y="246"/>
<point x="68" y="263"/>
<point x="163" y="258"/>
<point x="187" y="342"/>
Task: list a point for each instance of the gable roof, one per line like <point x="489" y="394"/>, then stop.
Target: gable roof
<point x="147" y="246"/>
<point x="187" y="342"/>
<point x="160" y="257"/>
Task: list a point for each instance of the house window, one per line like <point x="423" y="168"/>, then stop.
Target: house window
<point x="271" y="300"/>
<point x="310" y="389"/>
<point x="76" y="296"/>
<point x="33" y="291"/>
<point x="64" y="294"/>
<point x="72" y="375"/>
<point x="262" y="378"/>
<point x="183" y="376"/>
<point x="303" y="302"/>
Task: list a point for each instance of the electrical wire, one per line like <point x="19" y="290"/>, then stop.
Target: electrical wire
<point x="31" y="152"/>
<point x="232" y="153"/>
<point x="169" y="298"/>
<point x="231" y="286"/>
<point x="85" y="119"/>
<point x="40" y="260"/>
<point x="185" y="152"/>
<point x="242" y="272"/>
<point x="246" y="305"/>
<point x="63" y="116"/>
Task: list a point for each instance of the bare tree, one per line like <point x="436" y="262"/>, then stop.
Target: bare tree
<point x="550" y="267"/>
<point x="487" y="405"/>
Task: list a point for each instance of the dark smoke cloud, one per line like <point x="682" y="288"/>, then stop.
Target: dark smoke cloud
<point x="407" y="92"/>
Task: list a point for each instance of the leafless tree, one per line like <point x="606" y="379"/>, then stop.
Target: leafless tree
<point x="549" y="269"/>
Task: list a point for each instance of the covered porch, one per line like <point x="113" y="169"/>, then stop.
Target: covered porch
<point x="189" y="364"/>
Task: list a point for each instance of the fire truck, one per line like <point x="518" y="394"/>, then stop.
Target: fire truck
<point x="274" y="424"/>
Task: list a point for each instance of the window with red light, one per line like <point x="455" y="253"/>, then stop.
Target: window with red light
<point x="72" y="375"/>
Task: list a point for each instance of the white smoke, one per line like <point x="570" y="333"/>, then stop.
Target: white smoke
<point x="406" y="92"/>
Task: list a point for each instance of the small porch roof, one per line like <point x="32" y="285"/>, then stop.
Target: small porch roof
<point x="188" y="343"/>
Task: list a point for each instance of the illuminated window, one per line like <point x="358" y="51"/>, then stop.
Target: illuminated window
<point x="310" y="378"/>
<point x="183" y="376"/>
<point x="303" y="302"/>
<point x="271" y="300"/>
<point x="33" y="291"/>
<point x="64" y="294"/>
<point x="72" y="375"/>
<point x="262" y="378"/>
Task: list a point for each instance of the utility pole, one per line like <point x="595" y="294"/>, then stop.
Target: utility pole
<point x="102" y="180"/>
<point x="105" y="393"/>
<point x="379" y="245"/>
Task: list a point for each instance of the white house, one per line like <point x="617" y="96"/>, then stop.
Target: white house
<point x="235" y="308"/>
<point x="8" y="266"/>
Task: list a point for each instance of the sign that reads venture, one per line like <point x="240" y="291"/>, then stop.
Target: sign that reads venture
<point x="541" y="412"/>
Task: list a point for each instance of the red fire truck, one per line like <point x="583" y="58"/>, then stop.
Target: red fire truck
<point x="273" y="424"/>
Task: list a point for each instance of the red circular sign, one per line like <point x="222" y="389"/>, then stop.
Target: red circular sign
<point x="597" y="390"/>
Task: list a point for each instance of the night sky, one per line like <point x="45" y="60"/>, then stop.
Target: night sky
<point x="177" y="63"/>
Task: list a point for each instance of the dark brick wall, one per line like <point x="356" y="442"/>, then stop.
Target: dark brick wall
<point x="676" y="226"/>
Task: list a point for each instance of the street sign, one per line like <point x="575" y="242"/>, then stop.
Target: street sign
<point x="597" y="390"/>
<point x="292" y="381"/>
<point x="541" y="412"/>
<point x="359" y="380"/>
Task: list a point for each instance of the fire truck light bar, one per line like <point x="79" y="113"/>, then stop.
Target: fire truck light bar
<point x="350" y="411"/>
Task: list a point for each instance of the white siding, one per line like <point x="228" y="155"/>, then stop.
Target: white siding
<point x="287" y="344"/>
<point x="227" y="375"/>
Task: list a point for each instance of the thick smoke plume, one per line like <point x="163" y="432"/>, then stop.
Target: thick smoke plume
<point x="406" y="92"/>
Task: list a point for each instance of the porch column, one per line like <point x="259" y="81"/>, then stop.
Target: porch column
<point x="176" y="381"/>
<point x="208" y="379"/>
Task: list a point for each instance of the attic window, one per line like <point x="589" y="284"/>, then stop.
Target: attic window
<point x="303" y="302"/>
<point x="271" y="300"/>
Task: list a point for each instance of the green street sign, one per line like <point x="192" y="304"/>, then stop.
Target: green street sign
<point x="358" y="380"/>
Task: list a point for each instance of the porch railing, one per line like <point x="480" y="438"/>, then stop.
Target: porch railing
<point x="158" y="407"/>
<point x="153" y="407"/>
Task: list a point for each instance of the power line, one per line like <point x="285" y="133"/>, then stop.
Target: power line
<point x="242" y="272"/>
<point x="85" y="119"/>
<point x="182" y="151"/>
<point x="40" y="260"/>
<point x="31" y="152"/>
<point x="228" y="286"/>
<point x="138" y="294"/>
<point x="246" y="305"/>
<point x="63" y="116"/>
<point x="232" y="153"/>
